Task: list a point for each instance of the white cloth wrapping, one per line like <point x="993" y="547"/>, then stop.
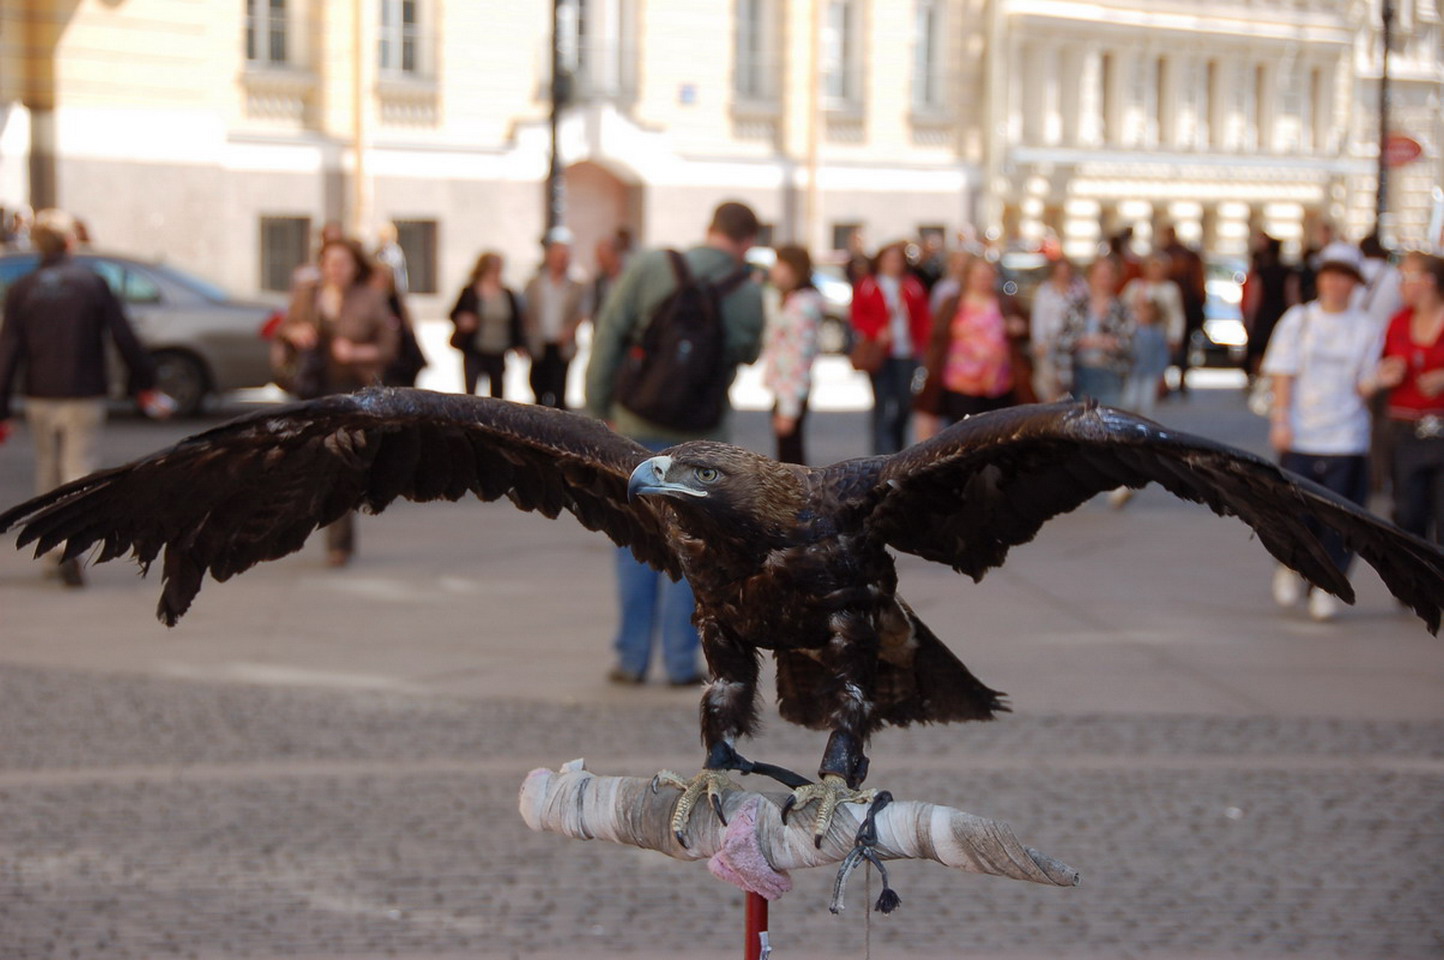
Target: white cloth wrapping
<point x="576" y="803"/>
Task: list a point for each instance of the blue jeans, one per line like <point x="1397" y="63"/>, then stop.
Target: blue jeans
<point x="653" y="607"/>
<point x="892" y="404"/>
<point x="1344" y="474"/>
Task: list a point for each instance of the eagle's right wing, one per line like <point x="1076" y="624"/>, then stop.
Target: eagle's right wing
<point x="253" y="489"/>
<point x="988" y="483"/>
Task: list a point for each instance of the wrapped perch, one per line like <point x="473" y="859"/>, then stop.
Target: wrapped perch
<point x="755" y="849"/>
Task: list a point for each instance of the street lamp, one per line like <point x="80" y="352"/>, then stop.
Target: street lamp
<point x="1381" y="196"/>
<point x="564" y="63"/>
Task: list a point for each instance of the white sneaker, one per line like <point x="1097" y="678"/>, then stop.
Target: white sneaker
<point x="1288" y="588"/>
<point x="1323" y="606"/>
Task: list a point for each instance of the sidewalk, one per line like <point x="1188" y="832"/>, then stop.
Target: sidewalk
<point x="324" y="763"/>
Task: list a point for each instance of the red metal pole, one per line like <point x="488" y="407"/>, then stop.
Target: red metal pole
<point x="756" y="925"/>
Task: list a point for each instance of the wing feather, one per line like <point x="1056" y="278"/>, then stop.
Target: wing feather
<point x="254" y="489"/>
<point x="989" y="483"/>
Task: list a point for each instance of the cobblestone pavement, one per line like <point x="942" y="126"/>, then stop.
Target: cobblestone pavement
<point x="148" y="818"/>
<point x="1232" y="782"/>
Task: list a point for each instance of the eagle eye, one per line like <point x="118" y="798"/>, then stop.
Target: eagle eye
<point x="707" y="474"/>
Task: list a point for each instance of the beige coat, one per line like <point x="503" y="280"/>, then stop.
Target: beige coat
<point x="363" y="318"/>
<point x="577" y="307"/>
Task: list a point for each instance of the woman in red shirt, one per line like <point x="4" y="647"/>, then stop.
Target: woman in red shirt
<point x="1413" y="370"/>
<point x="890" y="307"/>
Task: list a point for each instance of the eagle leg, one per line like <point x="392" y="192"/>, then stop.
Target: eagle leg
<point x="844" y="767"/>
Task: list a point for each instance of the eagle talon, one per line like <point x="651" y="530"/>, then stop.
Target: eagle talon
<point x="832" y="791"/>
<point x="709" y="783"/>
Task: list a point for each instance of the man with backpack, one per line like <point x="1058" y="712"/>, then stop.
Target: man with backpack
<point x="665" y="348"/>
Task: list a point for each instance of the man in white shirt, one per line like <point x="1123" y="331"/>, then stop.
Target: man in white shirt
<point x="556" y="305"/>
<point x="1321" y="357"/>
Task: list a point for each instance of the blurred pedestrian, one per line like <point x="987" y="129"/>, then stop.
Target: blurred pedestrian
<point x="1412" y="371"/>
<point x="389" y="254"/>
<point x="554" y="305"/>
<point x="971" y="363"/>
<point x="651" y="604"/>
<point x="1094" y="351"/>
<point x="1322" y="359"/>
<point x="1186" y="268"/>
<point x="410" y="360"/>
<point x="1379" y="295"/>
<point x="1051" y="303"/>
<point x="57" y="320"/>
<point x="609" y="256"/>
<point x="790" y="348"/>
<point x="890" y="308"/>
<point x="345" y="320"/>
<point x="1156" y="304"/>
<point x="487" y="320"/>
<point x="1269" y="289"/>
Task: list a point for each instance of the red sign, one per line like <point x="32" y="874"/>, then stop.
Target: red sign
<point x="1400" y="150"/>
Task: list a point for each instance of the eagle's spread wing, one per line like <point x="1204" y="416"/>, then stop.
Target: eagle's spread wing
<point x="968" y="495"/>
<point x="255" y="488"/>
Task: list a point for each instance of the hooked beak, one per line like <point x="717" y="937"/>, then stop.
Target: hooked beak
<point x="650" y="477"/>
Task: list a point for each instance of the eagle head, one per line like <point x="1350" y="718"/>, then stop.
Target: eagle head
<point x="736" y="491"/>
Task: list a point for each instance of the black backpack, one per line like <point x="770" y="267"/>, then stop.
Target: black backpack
<point x="676" y="373"/>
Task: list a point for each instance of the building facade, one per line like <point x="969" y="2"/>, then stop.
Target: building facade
<point x="1247" y="115"/>
<point x="220" y="134"/>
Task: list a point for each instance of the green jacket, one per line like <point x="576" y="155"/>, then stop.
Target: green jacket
<point x="630" y="304"/>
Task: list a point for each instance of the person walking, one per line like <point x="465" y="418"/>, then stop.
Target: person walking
<point x="1051" y="303"/>
<point x="346" y="319"/>
<point x="1412" y="371"/>
<point x="57" y="320"/>
<point x="1186" y="269"/>
<point x="1268" y="291"/>
<point x="487" y="321"/>
<point x="1157" y="308"/>
<point x="890" y="307"/>
<point x="652" y="606"/>
<point x="972" y="364"/>
<point x="791" y="347"/>
<point x="554" y="305"/>
<point x="1094" y="351"/>
<point x="1322" y="358"/>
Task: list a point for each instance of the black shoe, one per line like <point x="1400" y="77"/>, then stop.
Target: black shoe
<point x="625" y="678"/>
<point x="70" y="574"/>
<point x="695" y="680"/>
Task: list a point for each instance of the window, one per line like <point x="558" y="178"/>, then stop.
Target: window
<point x="127" y="283"/>
<point x="756" y="61"/>
<point x="843" y="234"/>
<point x="400" y="40"/>
<point x="266" y="38"/>
<point x="928" y="57"/>
<point x="418" y="241"/>
<point x="841" y="32"/>
<point x="283" y="249"/>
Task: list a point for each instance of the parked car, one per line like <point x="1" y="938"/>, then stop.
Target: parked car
<point x="830" y="281"/>
<point x="203" y="341"/>
<point x="1223" y="341"/>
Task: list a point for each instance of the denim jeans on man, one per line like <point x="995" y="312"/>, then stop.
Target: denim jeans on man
<point x="654" y="608"/>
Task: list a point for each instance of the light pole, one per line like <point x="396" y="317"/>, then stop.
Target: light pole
<point x="563" y="30"/>
<point x="1381" y="197"/>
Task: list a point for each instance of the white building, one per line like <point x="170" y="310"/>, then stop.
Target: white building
<point x="220" y="134"/>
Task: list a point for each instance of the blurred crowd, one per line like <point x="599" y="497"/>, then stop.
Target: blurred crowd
<point x="1344" y="356"/>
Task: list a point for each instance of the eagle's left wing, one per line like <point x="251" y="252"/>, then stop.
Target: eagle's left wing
<point x="968" y="495"/>
<point x="254" y="489"/>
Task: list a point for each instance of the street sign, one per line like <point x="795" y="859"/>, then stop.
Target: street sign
<point x="1400" y="150"/>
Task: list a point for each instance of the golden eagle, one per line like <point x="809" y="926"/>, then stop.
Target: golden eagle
<point x="785" y="558"/>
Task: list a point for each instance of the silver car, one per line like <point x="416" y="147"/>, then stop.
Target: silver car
<point x="203" y="341"/>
